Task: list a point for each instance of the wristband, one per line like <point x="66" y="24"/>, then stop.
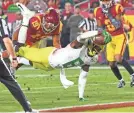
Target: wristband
<point x="14" y="58"/>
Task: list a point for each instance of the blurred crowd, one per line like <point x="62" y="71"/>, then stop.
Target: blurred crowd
<point x="60" y="4"/>
<point x="57" y="4"/>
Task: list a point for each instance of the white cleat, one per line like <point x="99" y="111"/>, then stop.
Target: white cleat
<point x="67" y="83"/>
<point x="25" y="11"/>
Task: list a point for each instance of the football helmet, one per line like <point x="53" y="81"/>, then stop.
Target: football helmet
<point x="50" y="20"/>
<point x="106" y="4"/>
<point x="95" y="49"/>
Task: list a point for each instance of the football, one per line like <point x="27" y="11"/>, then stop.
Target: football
<point x="99" y="40"/>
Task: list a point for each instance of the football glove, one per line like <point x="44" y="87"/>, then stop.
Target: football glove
<point x="107" y="37"/>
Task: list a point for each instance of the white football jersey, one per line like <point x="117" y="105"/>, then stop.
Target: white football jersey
<point x="69" y="57"/>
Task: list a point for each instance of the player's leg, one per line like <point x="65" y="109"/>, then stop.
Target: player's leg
<point x="110" y="50"/>
<point x="82" y="81"/>
<point x="130" y="71"/>
<point x="119" y="52"/>
<point x="115" y="70"/>
<point x="35" y="54"/>
<point x="65" y="82"/>
<point x="12" y="85"/>
<point x="27" y="14"/>
<point x="22" y="60"/>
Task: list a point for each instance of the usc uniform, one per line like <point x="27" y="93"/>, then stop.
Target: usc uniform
<point x="35" y="32"/>
<point x="39" y="26"/>
<point x="119" y="40"/>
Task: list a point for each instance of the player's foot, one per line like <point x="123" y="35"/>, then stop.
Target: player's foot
<point x="121" y="84"/>
<point x="25" y="11"/>
<point x="132" y="80"/>
<point x="83" y="99"/>
<point x="67" y="83"/>
<point x="33" y="111"/>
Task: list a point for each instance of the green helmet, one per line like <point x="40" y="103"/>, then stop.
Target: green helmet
<point x="95" y="49"/>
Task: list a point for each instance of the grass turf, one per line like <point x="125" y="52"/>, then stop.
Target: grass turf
<point x="44" y="90"/>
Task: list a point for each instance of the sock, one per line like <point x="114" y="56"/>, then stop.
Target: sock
<point x="82" y="82"/>
<point x="65" y="82"/>
<point x="116" y="72"/>
<point x="127" y="67"/>
<point x="62" y="75"/>
<point x="22" y="60"/>
<point x="122" y="79"/>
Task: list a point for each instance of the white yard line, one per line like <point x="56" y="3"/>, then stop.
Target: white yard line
<point x="32" y="75"/>
<point x="92" y="67"/>
<point x="41" y="88"/>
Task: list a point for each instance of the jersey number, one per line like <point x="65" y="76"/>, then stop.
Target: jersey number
<point x="36" y="24"/>
<point x="109" y="25"/>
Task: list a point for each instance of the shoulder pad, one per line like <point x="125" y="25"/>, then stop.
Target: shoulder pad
<point x="97" y="11"/>
<point x="35" y="22"/>
<point x="119" y="9"/>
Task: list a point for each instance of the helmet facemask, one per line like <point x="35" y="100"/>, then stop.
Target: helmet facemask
<point x="48" y="27"/>
<point x="106" y="4"/>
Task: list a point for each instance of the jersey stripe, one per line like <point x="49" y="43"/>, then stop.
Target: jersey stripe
<point x="88" y="24"/>
<point x="4" y="31"/>
<point x="123" y="46"/>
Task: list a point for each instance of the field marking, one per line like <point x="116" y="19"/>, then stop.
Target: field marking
<point x="90" y="107"/>
<point x="41" y="88"/>
<point x="92" y="67"/>
<point x="32" y="75"/>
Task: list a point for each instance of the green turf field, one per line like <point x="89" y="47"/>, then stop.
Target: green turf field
<point x="44" y="89"/>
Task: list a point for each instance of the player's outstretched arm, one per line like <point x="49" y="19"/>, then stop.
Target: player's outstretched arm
<point x="86" y="35"/>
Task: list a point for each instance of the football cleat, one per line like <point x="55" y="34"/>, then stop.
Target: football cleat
<point x="67" y="83"/>
<point x="121" y="84"/>
<point x="83" y="99"/>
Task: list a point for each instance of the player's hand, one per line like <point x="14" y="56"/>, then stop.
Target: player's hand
<point x="14" y="63"/>
<point x="107" y="37"/>
<point x="126" y="27"/>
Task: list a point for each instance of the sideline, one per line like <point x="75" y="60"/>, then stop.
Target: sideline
<point x="93" y="107"/>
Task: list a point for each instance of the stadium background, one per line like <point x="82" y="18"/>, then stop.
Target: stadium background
<point x="85" y="6"/>
<point x="45" y="91"/>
